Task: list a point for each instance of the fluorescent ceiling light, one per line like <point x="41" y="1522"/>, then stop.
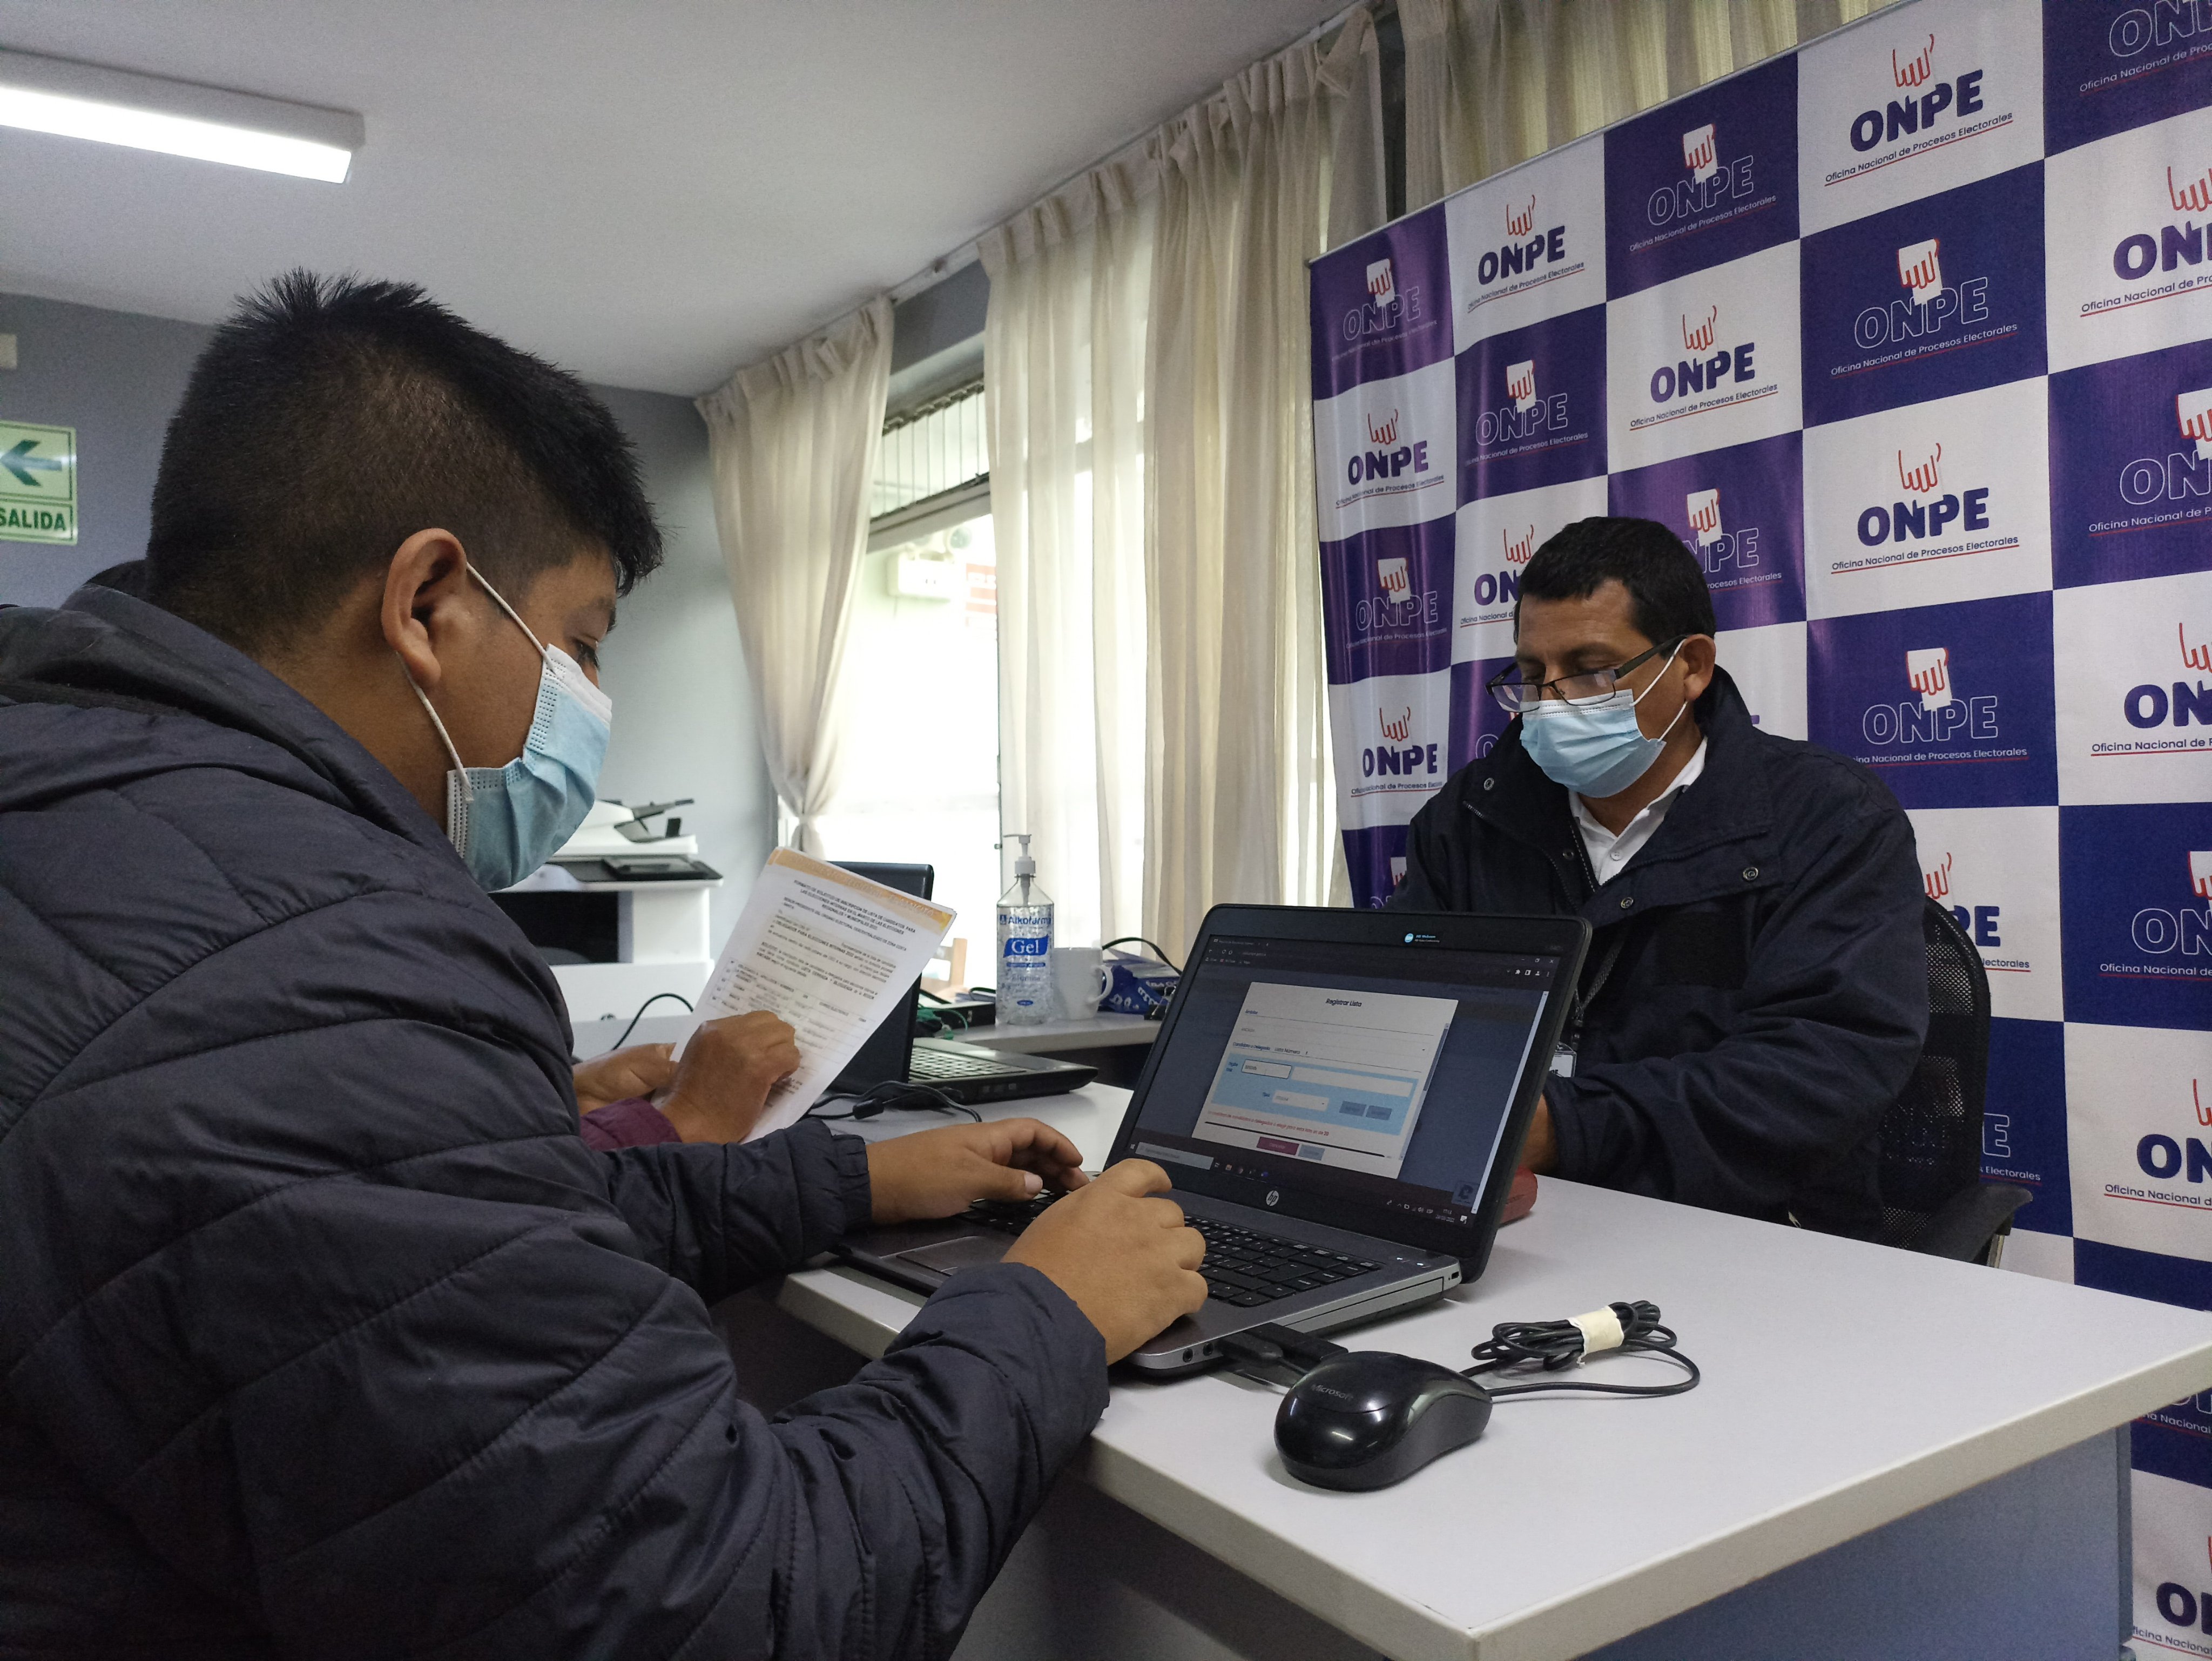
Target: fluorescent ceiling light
<point x="113" y="106"/>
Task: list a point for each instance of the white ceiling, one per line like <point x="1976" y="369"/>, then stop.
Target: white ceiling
<point x="650" y="192"/>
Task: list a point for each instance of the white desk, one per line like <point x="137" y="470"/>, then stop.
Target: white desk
<point x="1847" y="1387"/>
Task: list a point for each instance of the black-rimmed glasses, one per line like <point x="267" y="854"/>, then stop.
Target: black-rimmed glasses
<point x="1514" y="694"/>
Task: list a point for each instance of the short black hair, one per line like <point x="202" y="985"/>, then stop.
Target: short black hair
<point x="1665" y="584"/>
<point x="332" y="418"/>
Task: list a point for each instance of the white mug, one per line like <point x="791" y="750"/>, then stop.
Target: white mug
<point x="1082" y="979"/>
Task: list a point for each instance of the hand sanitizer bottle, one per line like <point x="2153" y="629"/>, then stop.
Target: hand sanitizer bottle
<point x="1025" y="991"/>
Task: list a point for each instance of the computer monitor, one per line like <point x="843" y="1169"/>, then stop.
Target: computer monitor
<point x="890" y="1048"/>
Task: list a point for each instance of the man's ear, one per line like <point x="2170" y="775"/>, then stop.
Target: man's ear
<point x="1699" y="654"/>
<point x="424" y="586"/>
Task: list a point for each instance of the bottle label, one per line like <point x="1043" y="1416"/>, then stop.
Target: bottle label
<point x="1034" y="945"/>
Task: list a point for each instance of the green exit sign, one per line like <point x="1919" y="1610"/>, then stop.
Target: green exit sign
<point x="38" y="482"/>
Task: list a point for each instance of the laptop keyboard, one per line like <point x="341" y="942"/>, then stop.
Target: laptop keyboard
<point x="930" y="1066"/>
<point x="1243" y="1268"/>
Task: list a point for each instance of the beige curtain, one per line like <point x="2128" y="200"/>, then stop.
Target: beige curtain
<point x="1063" y="378"/>
<point x="1240" y="804"/>
<point x="1490" y="83"/>
<point x="792" y="443"/>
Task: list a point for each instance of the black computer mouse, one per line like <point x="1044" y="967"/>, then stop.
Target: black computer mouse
<point x="1370" y="1418"/>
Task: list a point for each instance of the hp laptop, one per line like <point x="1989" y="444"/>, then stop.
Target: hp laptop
<point x="1340" y="1097"/>
<point x="967" y="1073"/>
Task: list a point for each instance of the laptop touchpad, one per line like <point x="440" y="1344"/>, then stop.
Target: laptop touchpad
<point x="969" y="1251"/>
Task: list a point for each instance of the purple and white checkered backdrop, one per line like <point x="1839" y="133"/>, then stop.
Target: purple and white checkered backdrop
<point x="1909" y="335"/>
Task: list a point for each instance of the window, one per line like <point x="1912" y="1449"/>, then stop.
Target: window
<point x="918" y="731"/>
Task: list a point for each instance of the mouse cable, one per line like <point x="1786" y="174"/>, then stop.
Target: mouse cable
<point x="895" y="1093"/>
<point x="1633" y="1329"/>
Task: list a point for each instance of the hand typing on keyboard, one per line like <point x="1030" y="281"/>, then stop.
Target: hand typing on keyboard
<point x="1120" y="1252"/>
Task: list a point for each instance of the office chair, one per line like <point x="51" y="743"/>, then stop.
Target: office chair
<point x="1933" y="1198"/>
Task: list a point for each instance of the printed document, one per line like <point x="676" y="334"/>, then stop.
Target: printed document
<point x="831" y="953"/>
<point x="1332" y="1076"/>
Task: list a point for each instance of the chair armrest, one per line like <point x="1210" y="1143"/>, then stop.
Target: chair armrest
<point x="1963" y="1225"/>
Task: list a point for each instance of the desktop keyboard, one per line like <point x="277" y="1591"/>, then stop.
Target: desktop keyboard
<point x="1243" y="1268"/>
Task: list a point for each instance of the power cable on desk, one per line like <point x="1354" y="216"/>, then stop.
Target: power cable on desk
<point x="1140" y="940"/>
<point x="1633" y="1329"/>
<point x="895" y="1094"/>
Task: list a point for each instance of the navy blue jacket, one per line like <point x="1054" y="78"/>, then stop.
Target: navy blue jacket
<point x="1769" y="996"/>
<point x="321" y="1331"/>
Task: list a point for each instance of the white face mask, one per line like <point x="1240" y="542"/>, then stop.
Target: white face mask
<point x="506" y="821"/>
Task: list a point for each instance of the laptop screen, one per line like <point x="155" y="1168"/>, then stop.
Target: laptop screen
<point x="1369" y="1073"/>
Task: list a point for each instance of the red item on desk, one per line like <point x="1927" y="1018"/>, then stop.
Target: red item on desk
<point x="1521" y="1198"/>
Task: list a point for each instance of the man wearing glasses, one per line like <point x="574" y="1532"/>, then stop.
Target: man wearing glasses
<point x="1755" y="996"/>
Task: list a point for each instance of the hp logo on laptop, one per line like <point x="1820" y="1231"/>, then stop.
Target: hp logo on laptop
<point x="1273" y="1194"/>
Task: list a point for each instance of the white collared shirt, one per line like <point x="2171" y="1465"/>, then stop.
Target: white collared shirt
<point x="1608" y="852"/>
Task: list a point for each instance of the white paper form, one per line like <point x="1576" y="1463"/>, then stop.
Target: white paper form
<point x="831" y="953"/>
<point x="1332" y="1076"/>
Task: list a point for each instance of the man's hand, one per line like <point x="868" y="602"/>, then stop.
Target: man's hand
<point x="1129" y="1261"/>
<point x="936" y="1174"/>
<point x="1541" y="1152"/>
<point x="621" y="1074"/>
<point x="727" y="1070"/>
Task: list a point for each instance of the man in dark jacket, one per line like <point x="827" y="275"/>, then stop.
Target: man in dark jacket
<point x="322" y="1332"/>
<point x="1755" y="995"/>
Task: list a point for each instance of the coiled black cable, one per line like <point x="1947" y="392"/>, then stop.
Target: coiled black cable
<point x="1552" y="1346"/>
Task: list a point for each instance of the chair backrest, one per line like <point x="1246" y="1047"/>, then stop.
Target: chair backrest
<point x="1931" y="1137"/>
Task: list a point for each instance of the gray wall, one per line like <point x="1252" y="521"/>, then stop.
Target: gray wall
<point x="114" y="376"/>
<point x="683" y="709"/>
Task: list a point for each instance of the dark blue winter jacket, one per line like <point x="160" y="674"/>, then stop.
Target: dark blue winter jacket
<point x="1758" y="994"/>
<point x="321" y="1331"/>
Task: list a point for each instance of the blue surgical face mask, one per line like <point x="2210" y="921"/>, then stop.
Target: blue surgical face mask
<point x="1595" y="749"/>
<point x="504" y="822"/>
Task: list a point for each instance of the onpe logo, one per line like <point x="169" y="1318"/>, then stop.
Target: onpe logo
<point x="1700" y="155"/>
<point x="1387" y="306"/>
<point x="2157" y="931"/>
<point x="1381" y="286"/>
<point x="1398" y="873"/>
<point x="1521" y="384"/>
<point x="1914" y="68"/>
<point x="1519" y="221"/>
<point x="1940" y="714"/>
<point x="1388" y="458"/>
<point x="1396" y="581"/>
<point x="1922" y="514"/>
<point x="2139" y="254"/>
<point x="1920" y="477"/>
<point x="1711" y="182"/>
<point x="1919" y="270"/>
<point x="1930" y="305"/>
<point x="1697" y="373"/>
<point x="1519" y="550"/>
<point x="2166" y="1157"/>
<point x="1704" y="510"/>
<point x="1938" y="882"/>
<point x="1928" y="672"/>
<point x="1395" y="755"/>
<point x="2151" y="705"/>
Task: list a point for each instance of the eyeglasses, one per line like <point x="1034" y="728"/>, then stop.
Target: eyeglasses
<point x="1515" y="695"/>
